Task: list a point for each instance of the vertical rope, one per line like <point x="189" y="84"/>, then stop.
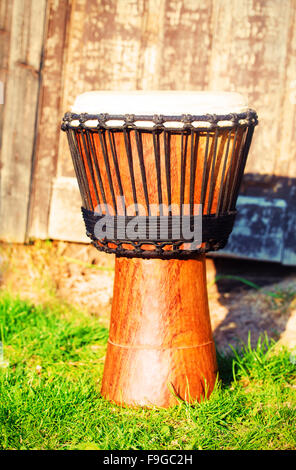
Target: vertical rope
<point x="90" y="165"/>
<point x="223" y="174"/>
<point x="212" y="183"/>
<point x="142" y="167"/>
<point x="107" y="165"/>
<point x="128" y="149"/>
<point x="97" y="169"/>
<point x="168" y="167"/>
<point x="236" y="169"/>
<point x="82" y="168"/>
<point x="245" y="151"/>
<point x="226" y="193"/>
<point x="157" y="165"/>
<point x="193" y="163"/>
<point x="116" y="166"/>
<point x="184" y="140"/>
<point x="76" y="163"/>
<point x="203" y="184"/>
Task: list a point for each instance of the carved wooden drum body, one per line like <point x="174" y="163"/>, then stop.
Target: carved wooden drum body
<point x="159" y="175"/>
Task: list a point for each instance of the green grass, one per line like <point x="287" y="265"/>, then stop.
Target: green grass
<point x="50" y="392"/>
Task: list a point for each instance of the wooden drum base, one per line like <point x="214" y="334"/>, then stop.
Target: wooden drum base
<point x="160" y="345"/>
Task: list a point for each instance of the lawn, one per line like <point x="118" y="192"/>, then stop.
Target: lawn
<point x="50" y="376"/>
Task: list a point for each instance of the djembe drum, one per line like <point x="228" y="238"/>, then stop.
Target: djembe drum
<point x="148" y="165"/>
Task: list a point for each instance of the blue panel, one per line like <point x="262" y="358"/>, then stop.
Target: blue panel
<point x="289" y="255"/>
<point x="258" y="230"/>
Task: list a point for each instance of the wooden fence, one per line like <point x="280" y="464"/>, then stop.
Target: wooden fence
<point x="52" y="50"/>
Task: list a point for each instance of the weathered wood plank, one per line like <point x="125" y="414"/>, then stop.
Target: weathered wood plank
<point x="150" y="57"/>
<point x="65" y="220"/>
<point x="5" y="29"/>
<point x="49" y="118"/>
<point x="285" y="161"/>
<point x="249" y="54"/>
<point x="21" y="100"/>
<point x="103" y="53"/>
<point x="187" y="44"/>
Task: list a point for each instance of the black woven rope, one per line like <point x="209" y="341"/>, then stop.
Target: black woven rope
<point x="212" y="227"/>
<point x="215" y="232"/>
<point x="158" y="250"/>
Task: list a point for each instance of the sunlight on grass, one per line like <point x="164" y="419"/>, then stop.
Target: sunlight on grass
<point x="50" y="392"/>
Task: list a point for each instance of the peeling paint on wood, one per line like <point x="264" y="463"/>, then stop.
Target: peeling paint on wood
<point x="249" y="55"/>
<point x="187" y="45"/>
<point x="5" y="25"/>
<point x="65" y="220"/>
<point x="19" y="115"/>
<point x="48" y="135"/>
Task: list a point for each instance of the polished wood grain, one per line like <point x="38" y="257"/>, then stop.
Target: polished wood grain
<point x="160" y="346"/>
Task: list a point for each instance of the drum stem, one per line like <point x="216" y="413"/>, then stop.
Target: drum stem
<point x="160" y="347"/>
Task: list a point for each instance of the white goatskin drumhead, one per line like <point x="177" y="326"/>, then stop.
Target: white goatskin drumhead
<point x="169" y="103"/>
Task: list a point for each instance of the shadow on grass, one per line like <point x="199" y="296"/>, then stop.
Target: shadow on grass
<point x="225" y="367"/>
<point x="262" y="256"/>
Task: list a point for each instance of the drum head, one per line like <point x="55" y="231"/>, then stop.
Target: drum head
<point x="171" y="103"/>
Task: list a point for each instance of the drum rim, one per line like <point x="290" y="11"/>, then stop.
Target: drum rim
<point x="158" y="121"/>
